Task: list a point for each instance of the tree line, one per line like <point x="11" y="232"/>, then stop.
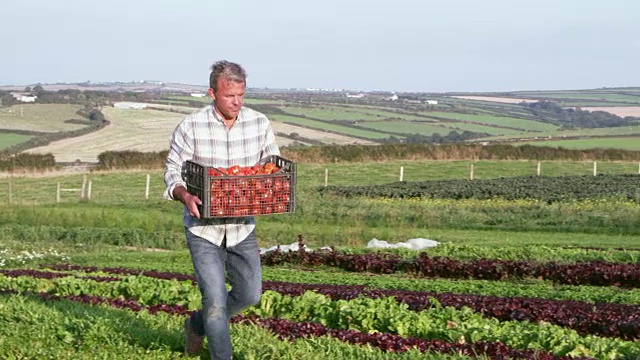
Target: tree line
<point x="570" y="118"/>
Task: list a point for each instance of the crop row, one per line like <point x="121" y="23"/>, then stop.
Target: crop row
<point x="597" y="273"/>
<point x="534" y="288"/>
<point x="286" y="329"/>
<point x="602" y="319"/>
<point x="545" y="188"/>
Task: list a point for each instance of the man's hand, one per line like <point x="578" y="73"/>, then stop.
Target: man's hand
<point x="189" y="200"/>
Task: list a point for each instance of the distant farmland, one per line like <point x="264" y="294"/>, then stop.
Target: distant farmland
<point x="138" y="130"/>
<point x="8" y="139"/>
<point x="330" y="119"/>
<point x="625" y="143"/>
<point x="40" y="117"/>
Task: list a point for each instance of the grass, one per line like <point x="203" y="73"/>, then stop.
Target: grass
<point x="331" y="113"/>
<point x="513" y="123"/>
<point x="326" y="220"/>
<point x="625" y="143"/>
<point x="40" y="117"/>
<point x="378" y="112"/>
<point x="130" y="129"/>
<point x="8" y="139"/>
<point x="119" y="227"/>
<point x="406" y="127"/>
<point x="623" y="130"/>
<point x="314" y="124"/>
<point x="482" y="128"/>
<point x="596" y="95"/>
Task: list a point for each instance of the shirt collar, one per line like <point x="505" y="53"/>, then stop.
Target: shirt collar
<point x="217" y="117"/>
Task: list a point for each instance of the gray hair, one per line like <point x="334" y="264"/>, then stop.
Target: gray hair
<point x="226" y="70"/>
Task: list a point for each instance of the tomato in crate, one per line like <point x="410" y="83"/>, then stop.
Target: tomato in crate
<point x="264" y="188"/>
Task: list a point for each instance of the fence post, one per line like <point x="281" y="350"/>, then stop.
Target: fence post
<point x="595" y="168"/>
<point x="10" y="191"/>
<point x="58" y="194"/>
<point x="471" y="172"/>
<point x="326" y="177"/>
<point x="401" y="173"/>
<point x="146" y="191"/>
<point x="538" y="169"/>
<point x="89" y="191"/>
<point x="84" y="186"/>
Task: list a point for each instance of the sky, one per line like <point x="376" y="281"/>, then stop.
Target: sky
<point x="359" y="45"/>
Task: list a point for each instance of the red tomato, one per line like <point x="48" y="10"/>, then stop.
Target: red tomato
<point x="277" y="184"/>
<point x="242" y="184"/>
<point x="258" y="184"/>
<point x="279" y="208"/>
<point x="233" y="170"/>
<point x="266" y="196"/>
<point x="270" y="168"/>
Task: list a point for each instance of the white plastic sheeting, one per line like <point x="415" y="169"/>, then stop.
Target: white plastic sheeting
<point x="413" y="244"/>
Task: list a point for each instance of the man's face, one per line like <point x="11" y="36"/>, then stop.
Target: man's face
<point x="228" y="98"/>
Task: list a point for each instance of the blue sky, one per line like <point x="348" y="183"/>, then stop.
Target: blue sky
<point x="401" y="45"/>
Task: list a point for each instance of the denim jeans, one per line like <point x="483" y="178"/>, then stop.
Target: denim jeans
<point x="243" y="271"/>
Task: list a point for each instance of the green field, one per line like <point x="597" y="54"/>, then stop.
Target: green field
<point x="333" y="114"/>
<point x="525" y="261"/>
<point x="40" y="117"/>
<point x="594" y="132"/>
<point x="380" y="113"/>
<point x="625" y="143"/>
<point x="406" y="127"/>
<point x="314" y="124"/>
<point x="322" y="219"/>
<point x="120" y="299"/>
<point x="481" y="128"/>
<point x="513" y="123"/>
<point x="8" y="139"/>
<point x="589" y="95"/>
<point x="207" y="99"/>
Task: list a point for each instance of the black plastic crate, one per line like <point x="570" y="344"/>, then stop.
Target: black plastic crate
<point x="226" y="196"/>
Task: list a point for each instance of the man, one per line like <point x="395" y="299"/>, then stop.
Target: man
<point x="221" y="134"/>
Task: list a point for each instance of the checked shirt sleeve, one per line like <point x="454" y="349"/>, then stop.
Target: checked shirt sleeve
<point x="180" y="150"/>
<point x="270" y="145"/>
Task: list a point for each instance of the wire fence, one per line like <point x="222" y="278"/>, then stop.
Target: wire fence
<point x="130" y="187"/>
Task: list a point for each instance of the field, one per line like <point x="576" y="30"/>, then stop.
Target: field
<point x="39" y="117"/>
<point x="626" y="143"/>
<point x="522" y="278"/>
<point x="8" y="139"/>
<point x="139" y="130"/>
<point x="302" y="118"/>
<point x="128" y="127"/>
<point x="521" y="124"/>
<point x="534" y="259"/>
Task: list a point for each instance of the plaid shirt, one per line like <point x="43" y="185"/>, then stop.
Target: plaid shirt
<point x="203" y="138"/>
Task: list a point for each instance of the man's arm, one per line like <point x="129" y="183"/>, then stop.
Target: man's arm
<point x="180" y="150"/>
<point x="189" y="200"/>
<point x="270" y="145"/>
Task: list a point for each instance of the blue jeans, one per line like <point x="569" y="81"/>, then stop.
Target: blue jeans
<point x="243" y="270"/>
